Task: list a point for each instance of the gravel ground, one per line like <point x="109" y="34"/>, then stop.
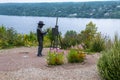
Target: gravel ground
<point x="23" y="64"/>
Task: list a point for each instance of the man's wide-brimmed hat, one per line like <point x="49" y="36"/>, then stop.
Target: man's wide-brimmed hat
<point x="41" y="23"/>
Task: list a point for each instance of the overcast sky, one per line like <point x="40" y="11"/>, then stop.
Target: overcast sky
<point x="11" y="1"/>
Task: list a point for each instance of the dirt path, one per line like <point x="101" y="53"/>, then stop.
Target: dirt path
<point x="23" y="64"/>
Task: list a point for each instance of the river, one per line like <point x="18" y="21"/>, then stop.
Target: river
<point x="25" y="24"/>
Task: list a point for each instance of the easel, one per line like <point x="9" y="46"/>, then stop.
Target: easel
<point x="56" y="37"/>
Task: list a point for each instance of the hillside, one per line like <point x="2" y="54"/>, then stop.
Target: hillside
<point x="109" y="9"/>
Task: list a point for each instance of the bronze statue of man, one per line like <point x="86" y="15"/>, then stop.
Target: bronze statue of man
<point x="40" y="36"/>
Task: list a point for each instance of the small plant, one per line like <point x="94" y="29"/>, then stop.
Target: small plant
<point x="55" y="58"/>
<point x="75" y="56"/>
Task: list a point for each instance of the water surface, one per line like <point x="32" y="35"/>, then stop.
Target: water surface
<point x="25" y="24"/>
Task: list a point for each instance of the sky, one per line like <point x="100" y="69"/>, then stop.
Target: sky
<point x="22" y="1"/>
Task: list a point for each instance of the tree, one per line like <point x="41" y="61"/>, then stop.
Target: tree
<point x="88" y="34"/>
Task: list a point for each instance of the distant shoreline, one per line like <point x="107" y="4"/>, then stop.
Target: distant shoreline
<point x="97" y="10"/>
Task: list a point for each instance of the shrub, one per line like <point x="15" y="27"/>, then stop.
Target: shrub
<point x="98" y="44"/>
<point x="7" y="37"/>
<point x="75" y="56"/>
<point x="19" y="40"/>
<point x="55" y="58"/>
<point x="10" y="38"/>
<point x="69" y="40"/>
<point x="109" y="64"/>
<point x="30" y="39"/>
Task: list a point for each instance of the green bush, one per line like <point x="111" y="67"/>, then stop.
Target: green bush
<point x="19" y="40"/>
<point x="55" y="58"/>
<point x="7" y="37"/>
<point x="69" y="40"/>
<point x="30" y="39"/>
<point x="75" y="56"/>
<point x="109" y="64"/>
<point x="98" y="44"/>
<point x="10" y="38"/>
